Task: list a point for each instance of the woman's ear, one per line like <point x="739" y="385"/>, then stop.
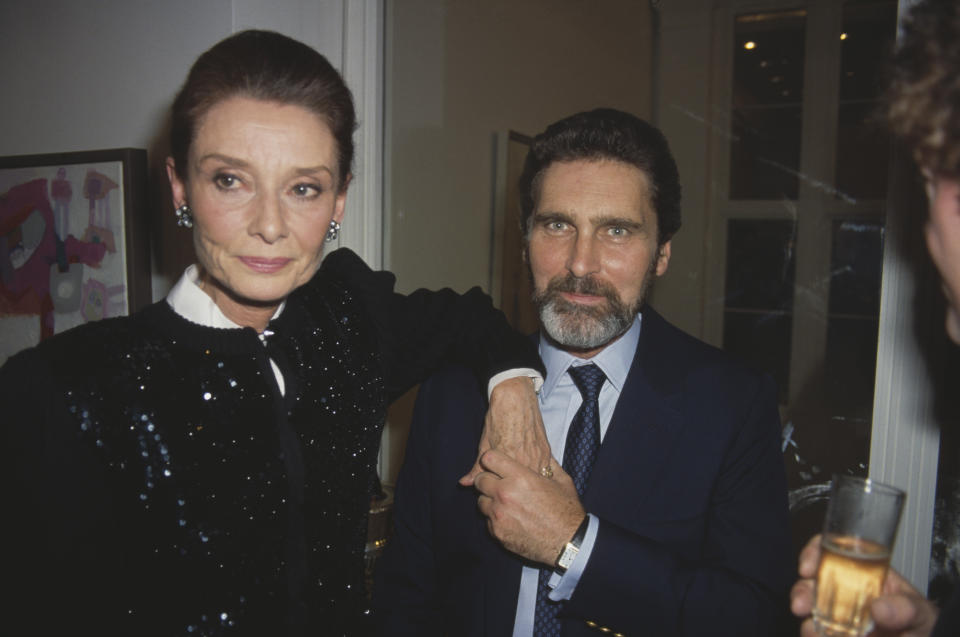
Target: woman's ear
<point x="341" y="199"/>
<point x="177" y="187"/>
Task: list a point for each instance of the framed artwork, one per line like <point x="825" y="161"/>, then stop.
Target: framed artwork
<point x="73" y="242"/>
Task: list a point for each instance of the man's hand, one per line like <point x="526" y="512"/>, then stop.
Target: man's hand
<point x="901" y="611"/>
<point x="514" y="426"/>
<point x="530" y="515"/>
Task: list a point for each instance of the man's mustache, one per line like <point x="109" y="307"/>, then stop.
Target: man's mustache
<point x="587" y="286"/>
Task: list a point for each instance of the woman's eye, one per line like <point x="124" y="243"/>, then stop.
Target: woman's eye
<point x="306" y="190"/>
<point x="225" y="181"/>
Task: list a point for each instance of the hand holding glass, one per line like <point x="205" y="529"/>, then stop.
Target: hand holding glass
<point x="858" y="536"/>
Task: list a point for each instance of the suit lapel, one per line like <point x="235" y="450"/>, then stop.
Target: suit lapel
<point x="645" y="425"/>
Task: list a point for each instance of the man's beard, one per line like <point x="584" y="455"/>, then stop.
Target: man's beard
<point x="584" y="327"/>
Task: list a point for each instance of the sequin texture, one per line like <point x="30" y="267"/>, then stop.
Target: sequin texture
<point x="236" y="509"/>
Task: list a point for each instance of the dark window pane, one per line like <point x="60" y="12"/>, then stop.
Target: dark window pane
<point x="768" y="59"/>
<point x="759" y="295"/>
<point x="850" y="367"/>
<point x="763" y="341"/>
<point x="855" y="265"/>
<point x="767" y="96"/>
<point x="868" y="32"/>
<point x="867" y="35"/>
<point x="760" y="264"/>
<point x="765" y="153"/>
<point x="862" y="152"/>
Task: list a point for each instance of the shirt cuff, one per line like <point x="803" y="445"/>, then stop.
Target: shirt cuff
<point x="564" y="585"/>
<point x="517" y="372"/>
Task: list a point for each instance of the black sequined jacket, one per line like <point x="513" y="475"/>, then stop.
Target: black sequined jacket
<point x="155" y="480"/>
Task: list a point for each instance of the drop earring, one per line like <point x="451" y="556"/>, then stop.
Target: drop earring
<point x="184" y="216"/>
<point x="334" y="231"/>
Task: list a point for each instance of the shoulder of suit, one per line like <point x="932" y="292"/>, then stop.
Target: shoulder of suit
<point x="685" y="347"/>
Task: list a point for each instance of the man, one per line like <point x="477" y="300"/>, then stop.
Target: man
<point x="924" y="113"/>
<point x="668" y="515"/>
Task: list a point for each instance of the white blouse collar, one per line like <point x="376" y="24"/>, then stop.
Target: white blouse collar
<point x="189" y="300"/>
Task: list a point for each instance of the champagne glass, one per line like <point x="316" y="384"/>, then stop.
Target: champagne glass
<point x="858" y="536"/>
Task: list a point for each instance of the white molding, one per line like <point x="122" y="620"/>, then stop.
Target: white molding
<point x="498" y="214"/>
<point x="363" y="72"/>
<point x="905" y="442"/>
<point x="387" y="132"/>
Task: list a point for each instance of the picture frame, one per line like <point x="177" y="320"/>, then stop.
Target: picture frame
<point x="73" y="242"/>
<point x="509" y="284"/>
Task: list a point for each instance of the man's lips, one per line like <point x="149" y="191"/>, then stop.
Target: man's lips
<point x="582" y="299"/>
<point x="265" y="265"/>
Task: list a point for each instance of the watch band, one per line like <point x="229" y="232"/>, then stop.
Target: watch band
<point x="571" y="548"/>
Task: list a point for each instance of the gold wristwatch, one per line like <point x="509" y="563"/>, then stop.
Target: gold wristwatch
<point x="571" y="548"/>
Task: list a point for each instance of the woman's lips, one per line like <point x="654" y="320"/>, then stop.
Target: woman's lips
<point x="264" y="265"/>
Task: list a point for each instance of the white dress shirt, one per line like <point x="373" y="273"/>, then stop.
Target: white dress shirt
<point x="559" y="401"/>
<point x="189" y="300"/>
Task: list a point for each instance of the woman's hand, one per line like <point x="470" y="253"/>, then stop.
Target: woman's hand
<point x="901" y="611"/>
<point x="513" y="426"/>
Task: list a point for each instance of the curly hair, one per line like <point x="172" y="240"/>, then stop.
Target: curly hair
<point x="924" y="93"/>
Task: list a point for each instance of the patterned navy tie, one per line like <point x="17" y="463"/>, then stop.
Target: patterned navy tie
<point x="579" y="453"/>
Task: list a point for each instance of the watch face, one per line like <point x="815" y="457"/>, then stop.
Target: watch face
<point x="566" y="558"/>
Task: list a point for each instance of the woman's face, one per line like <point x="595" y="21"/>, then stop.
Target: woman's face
<point x="943" y="241"/>
<point x="262" y="185"/>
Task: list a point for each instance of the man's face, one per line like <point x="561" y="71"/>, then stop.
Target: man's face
<point x="943" y="240"/>
<point x="592" y="251"/>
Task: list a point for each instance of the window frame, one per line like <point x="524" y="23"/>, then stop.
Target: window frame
<point x="904" y="447"/>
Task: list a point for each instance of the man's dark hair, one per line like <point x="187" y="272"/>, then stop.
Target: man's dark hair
<point x="606" y="134"/>
<point x="924" y="94"/>
<point x="268" y="66"/>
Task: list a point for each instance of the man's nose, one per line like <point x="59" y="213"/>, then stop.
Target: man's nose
<point x="584" y="258"/>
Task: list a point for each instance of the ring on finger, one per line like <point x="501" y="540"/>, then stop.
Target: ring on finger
<point x="546" y="471"/>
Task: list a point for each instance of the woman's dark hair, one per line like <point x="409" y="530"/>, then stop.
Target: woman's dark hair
<point x="266" y="66"/>
<point x="602" y="134"/>
<point x="924" y="94"/>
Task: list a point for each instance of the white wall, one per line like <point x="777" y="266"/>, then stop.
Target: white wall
<point x="91" y="74"/>
<point x="87" y="75"/>
<point x="459" y="72"/>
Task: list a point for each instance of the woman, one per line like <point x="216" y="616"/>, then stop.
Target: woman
<point x="204" y="466"/>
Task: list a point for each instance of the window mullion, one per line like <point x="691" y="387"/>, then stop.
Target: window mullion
<point x="817" y="156"/>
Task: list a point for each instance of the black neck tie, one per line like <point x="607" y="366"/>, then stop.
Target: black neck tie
<point x="579" y="454"/>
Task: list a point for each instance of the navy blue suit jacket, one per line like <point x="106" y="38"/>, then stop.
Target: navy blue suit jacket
<point x="689" y="488"/>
